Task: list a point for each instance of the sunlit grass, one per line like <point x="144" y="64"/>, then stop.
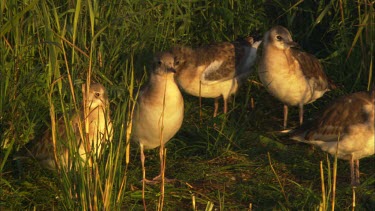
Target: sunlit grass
<point x="48" y="49"/>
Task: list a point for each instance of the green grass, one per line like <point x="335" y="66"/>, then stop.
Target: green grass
<point x="49" y="48"/>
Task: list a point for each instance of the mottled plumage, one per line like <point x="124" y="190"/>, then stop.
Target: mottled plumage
<point x="291" y="75"/>
<point x="345" y="126"/>
<point x="215" y="70"/>
<point x="99" y="131"/>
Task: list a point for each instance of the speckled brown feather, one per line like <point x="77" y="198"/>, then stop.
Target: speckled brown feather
<point x="231" y="53"/>
<point x="341" y="114"/>
<point x="312" y="68"/>
<point x="97" y="103"/>
<point x="216" y="70"/>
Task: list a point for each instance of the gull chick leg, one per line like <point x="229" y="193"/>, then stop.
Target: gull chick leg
<point x="352" y="174"/>
<point x="216" y="106"/>
<point x="300" y="114"/>
<point x="162" y="154"/>
<point x="285" y="115"/>
<point x="357" y="172"/>
<point x="162" y="166"/>
<point x="144" y="180"/>
<point x="225" y="105"/>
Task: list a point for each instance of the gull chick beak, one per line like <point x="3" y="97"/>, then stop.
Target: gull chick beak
<point x="171" y="69"/>
<point x="293" y="44"/>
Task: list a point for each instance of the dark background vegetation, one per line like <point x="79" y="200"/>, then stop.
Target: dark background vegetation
<point x="46" y="46"/>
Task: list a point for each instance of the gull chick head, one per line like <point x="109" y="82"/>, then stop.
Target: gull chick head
<point x="96" y="97"/>
<point x="184" y="57"/>
<point x="280" y="38"/>
<point x="164" y="63"/>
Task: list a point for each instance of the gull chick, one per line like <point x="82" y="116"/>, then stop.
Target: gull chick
<point x="346" y="127"/>
<point x="215" y="70"/>
<point x="291" y="75"/>
<point x="159" y="111"/>
<point x="97" y="118"/>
